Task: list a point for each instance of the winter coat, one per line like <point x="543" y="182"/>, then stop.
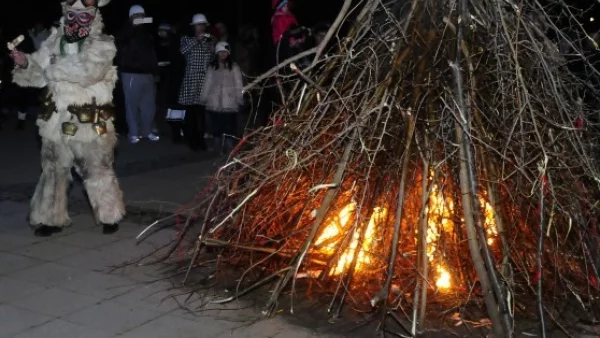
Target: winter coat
<point x="223" y="89"/>
<point x="295" y="41"/>
<point x="280" y="23"/>
<point x="136" y="51"/>
<point x="198" y="55"/>
<point x="76" y="74"/>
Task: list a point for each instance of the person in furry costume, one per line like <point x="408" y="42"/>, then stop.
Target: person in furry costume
<point x="76" y="64"/>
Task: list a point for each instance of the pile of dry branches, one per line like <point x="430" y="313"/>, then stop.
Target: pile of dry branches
<point x="437" y="137"/>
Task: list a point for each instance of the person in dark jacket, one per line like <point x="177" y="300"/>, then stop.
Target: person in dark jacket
<point x="138" y="64"/>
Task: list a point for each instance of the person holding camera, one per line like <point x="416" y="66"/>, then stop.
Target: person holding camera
<point x="198" y="51"/>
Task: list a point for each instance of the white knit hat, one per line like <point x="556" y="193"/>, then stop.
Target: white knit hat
<point x="199" y="19"/>
<point x="222" y="47"/>
<point x="136" y="9"/>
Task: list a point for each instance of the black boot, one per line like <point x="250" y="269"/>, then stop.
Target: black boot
<point x="109" y="229"/>
<point x="46" y="231"/>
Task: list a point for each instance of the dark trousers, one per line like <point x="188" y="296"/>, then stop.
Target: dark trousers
<point x="223" y="127"/>
<point x="193" y="126"/>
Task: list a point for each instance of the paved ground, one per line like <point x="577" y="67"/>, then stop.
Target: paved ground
<point x="65" y="287"/>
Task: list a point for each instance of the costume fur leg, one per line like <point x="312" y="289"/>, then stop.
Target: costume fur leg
<point x="49" y="202"/>
<point x="95" y="164"/>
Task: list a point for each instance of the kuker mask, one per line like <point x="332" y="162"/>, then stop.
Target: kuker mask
<point x="79" y="17"/>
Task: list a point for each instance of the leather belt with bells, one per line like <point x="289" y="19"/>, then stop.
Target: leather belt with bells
<point x="96" y="115"/>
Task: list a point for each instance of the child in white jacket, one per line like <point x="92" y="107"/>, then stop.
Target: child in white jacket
<point x="222" y="96"/>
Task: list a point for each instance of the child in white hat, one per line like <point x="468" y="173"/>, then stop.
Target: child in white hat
<point x="222" y="96"/>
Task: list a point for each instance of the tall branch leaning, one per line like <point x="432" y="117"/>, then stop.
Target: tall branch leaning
<point x="429" y="134"/>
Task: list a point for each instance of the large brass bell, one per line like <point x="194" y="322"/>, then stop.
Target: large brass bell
<point x="99" y="126"/>
<point x="69" y="128"/>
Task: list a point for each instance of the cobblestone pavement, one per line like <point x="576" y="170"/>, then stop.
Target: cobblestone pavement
<point x="66" y="286"/>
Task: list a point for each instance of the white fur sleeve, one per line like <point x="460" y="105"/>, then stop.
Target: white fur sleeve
<point x="86" y="68"/>
<point x="33" y="75"/>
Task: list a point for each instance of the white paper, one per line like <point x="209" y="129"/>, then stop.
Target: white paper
<point x="141" y="21"/>
<point x="174" y="114"/>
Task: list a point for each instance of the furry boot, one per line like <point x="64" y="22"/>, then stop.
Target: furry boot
<point x="48" y="207"/>
<point x="95" y="164"/>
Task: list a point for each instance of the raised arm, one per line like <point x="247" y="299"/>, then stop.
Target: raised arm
<point x="32" y="75"/>
<point x="88" y="67"/>
<point x="187" y="44"/>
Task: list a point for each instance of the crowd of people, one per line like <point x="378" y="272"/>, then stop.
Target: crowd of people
<point x="194" y="82"/>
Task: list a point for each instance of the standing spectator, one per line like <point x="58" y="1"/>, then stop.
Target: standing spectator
<point x="198" y="53"/>
<point x="294" y="41"/>
<point x="320" y="31"/>
<point x="38" y="34"/>
<point x="214" y="31"/>
<point x="224" y="33"/>
<point x="222" y="95"/>
<point x="283" y="19"/>
<point x="224" y="36"/>
<point x="138" y="65"/>
<point x="246" y="50"/>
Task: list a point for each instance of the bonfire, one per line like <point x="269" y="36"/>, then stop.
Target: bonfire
<point x="441" y="150"/>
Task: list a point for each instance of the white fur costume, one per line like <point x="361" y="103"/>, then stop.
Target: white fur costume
<point x="83" y="73"/>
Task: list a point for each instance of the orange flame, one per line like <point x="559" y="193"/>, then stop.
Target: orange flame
<point x="337" y="226"/>
<point x="440" y="212"/>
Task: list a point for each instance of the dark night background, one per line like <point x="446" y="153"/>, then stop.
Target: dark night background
<point x="17" y="16"/>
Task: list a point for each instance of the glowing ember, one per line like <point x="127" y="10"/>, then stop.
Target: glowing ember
<point x="440" y="212"/>
<point x="335" y="228"/>
<point x="444" y="278"/>
<point x="490" y="223"/>
<point x="331" y="237"/>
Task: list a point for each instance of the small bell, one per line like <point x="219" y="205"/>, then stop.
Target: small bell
<point x="69" y="128"/>
<point x="85" y="116"/>
<point x="106" y="114"/>
<point x="99" y="126"/>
